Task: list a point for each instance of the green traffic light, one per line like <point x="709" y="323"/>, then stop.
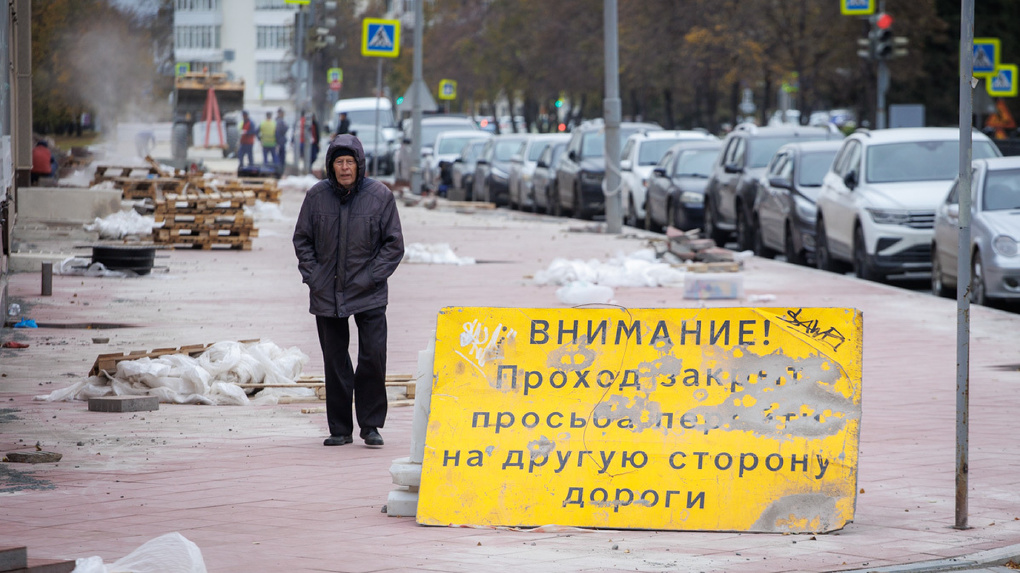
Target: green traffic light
<point x="559" y="103"/>
<point x="400" y="100"/>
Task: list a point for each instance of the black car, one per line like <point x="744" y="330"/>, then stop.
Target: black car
<point x="580" y="173"/>
<point x="543" y="180"/>
<point x="784" y="206"/>
<point x="492" y="171"/>
<point x="676" y="190"/>
<point x="462" y="172"/>
<point x="729" y="195"/>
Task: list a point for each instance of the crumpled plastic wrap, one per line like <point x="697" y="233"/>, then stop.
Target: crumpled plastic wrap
<point x="211" y="378"/>
<point x="121" y="224"/>
<point x="436" y="254"/>
<point x="169" y="553"/>
<point x="639" y="269"/>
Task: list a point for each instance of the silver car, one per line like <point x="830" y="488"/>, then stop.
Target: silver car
<point x="994" y="233"/>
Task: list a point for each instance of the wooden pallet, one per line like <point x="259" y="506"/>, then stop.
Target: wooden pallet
<point x="108" y="172"/>
<point x="108" y="362"/>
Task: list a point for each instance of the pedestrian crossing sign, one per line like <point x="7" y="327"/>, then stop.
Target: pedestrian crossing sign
<point x="1003" y="83"/>
<point x="447" y="89"/>
<point x="986" y="57"/>
<point x="857" y="7"/>
<point x="380" y="38"/>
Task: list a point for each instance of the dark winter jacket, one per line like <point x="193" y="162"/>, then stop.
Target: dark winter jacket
<point x="348" y="241"/>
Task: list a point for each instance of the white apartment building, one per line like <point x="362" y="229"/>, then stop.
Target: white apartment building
<point x="247" y="39"/>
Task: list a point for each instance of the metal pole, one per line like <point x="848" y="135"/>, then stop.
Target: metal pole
<point x="883" y="86"/>
<point x="47" y="279"/>
<point x="416" y="81"/>
<point x="378" y="94"/>
<point x="611" y="111"/>
<point x="963" y="264"/>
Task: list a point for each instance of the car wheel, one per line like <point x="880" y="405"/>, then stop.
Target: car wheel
<point x="938" y="286"/>
<point x="793" y="256"/>
<point x="712" y="230"/>
<point x="579" y="210"/>
<point x="863" y="266"/>
<point x="823" y="259"/>
<point x="759" y="244"/>
<point x="671" y="216"/>
<point x="649" y="223"/>
<point x="745" y="232"/>
<point x="977" y="281"/>
<point x="554" y="202"/>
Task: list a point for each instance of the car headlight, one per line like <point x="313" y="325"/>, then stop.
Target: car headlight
<point x="692" y="198"/>
<point x="1005" y="246"/>
<point x="589" y="178"/>
<point x="499" y="175"/>
<point x="889" y="216"/>
<point x="806" y="210"/>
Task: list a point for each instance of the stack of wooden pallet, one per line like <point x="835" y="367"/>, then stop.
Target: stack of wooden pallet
<point x="264" y="188"/>
<point x="205" y="220"/>
<point x="135" y="189"/>
<point x="115" y="172"/>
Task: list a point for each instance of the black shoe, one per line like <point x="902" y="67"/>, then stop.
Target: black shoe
<point x="372" y="438"/>
<point x="337" y="440"/>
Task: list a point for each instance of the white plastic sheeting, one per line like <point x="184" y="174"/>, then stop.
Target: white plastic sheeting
<point x="297" y="183"/>
<point x="170" y="553"/>
<point x="439" y="253"/>
<point x="121" y="224"/>
<point x="83" y="266"/>
<point x="638" y="269"/>
<point x="210" y="378"/>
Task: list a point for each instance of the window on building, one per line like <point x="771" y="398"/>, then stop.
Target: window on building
<point x="273" y="5"/>
<point x="212" y="67"/>
<point x="197" y="5"/>
<point x="273" y="37"/>
<point x="272" y="72"/>
<point x="196" y="37"/>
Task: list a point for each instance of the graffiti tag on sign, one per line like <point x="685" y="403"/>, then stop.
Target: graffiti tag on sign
<point x="645" y="418"/>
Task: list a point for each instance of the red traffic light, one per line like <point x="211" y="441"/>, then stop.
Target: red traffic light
<point x="884" y="21"/>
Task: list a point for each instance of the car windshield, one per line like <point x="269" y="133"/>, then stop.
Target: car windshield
<point x="651" y="151"/>
<point x="919" y="160"/>
<point x="1002" y="191"/>
<point x="593" y="144"/>
<point x="696" y="163"/>
<point x="505" y="150"/>
<point x="471" y="152"/>
<point x="367" y="116"/>
<point x="430" y="132"/>
<point x="813" y="167"/>
<point x="367" y="134"/>
<point x="451" y="145"/>
<point x="762" y="149"/>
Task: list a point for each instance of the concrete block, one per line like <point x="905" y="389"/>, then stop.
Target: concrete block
<point x="13" y="558"/>
<point x="405" y="472"/>
<point x="66" y="204"/>
<point x="123" y="404"/>
<point x="31" y="262"/>
<point x="402" y="502"/>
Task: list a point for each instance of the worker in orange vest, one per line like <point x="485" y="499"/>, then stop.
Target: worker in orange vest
<point x="42" y="161"/>
<point x="247" y="144"/>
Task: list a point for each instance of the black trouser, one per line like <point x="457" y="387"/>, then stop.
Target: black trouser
<point x="367" y="384"/>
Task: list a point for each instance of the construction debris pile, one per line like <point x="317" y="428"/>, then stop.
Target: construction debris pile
<point x="224" y="373"/>
<point x="195" y="210"/>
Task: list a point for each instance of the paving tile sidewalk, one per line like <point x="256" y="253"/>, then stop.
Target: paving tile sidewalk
<point x="256" y="491"/>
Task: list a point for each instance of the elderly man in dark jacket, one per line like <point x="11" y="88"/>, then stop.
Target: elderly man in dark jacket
<point x="348" y="242"/>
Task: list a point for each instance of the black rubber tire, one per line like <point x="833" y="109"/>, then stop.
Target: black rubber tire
<point x="179" y="141"/>
<point x="554" y="201"/>
<point x="792" y="256"/>
<point x="823" y="258"/>
<point x="712" y="231"/>
<point x="745" y="231"/>
<point x="978" y="292"/>
<point x="137" y="259"/>
<point x="759" y="245"/>
<point x="938" y="284"/>
<point x="864" y="268"/>
<point x="578" y="209"/>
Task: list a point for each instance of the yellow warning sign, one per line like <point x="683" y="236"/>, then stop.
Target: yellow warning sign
<point x="738" y="419"/>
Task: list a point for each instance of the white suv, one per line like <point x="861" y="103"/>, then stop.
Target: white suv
<point x="877" y="204"/>
<point x="641" y="152"/>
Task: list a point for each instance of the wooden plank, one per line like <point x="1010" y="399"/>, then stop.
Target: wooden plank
<point x="108" y="362"/>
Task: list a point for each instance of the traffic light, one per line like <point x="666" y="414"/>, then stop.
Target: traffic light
<point x="883" y="36"/>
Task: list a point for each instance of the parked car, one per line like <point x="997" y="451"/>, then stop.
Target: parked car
<point x="676" y="189"/>
<point x="877" y="204"/>
<point x="431" y="126"/>
<point x="522" y="167"/>
<point x="492" y="168"/>
<point x="543" y="180"/>
<point x="641" y="152"/>
<point x="436" y="166"/>
<point x="784" y="206"/>
<point x="462" y="172"/>
<point x="376" y="144"/>
<point x="729" y="195"/>
<point x="994" y="233"/>
<point x="580" y="173"/>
